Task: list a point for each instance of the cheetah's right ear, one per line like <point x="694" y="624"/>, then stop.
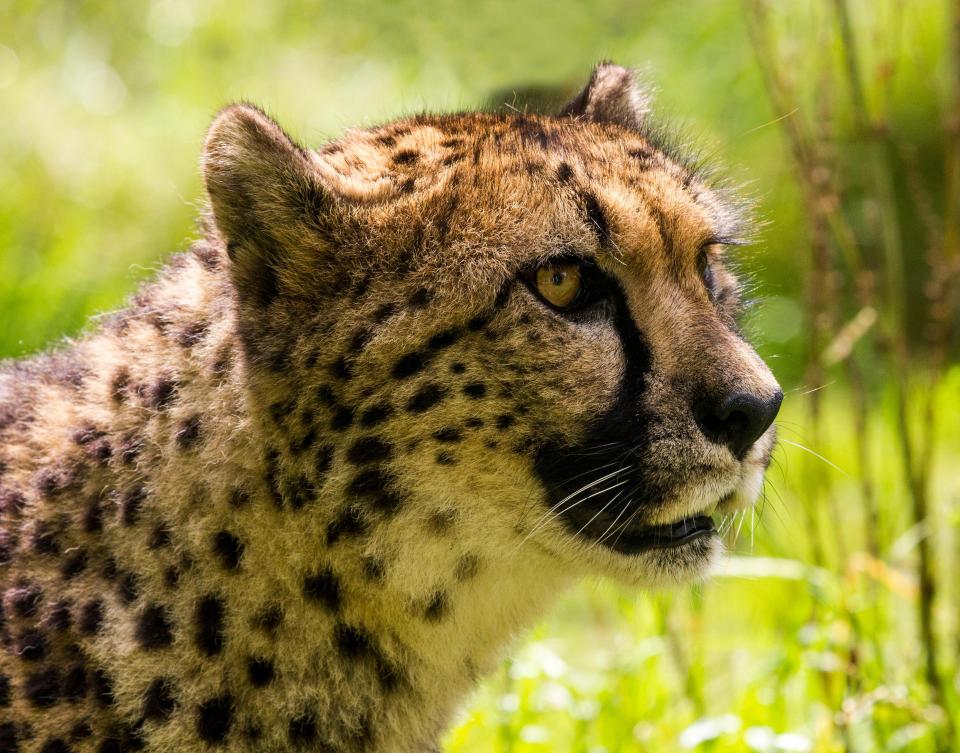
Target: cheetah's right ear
<point x="268" y="202"/>
<point x="612" y="95"/>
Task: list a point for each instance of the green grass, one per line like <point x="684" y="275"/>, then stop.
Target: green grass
<point x="774" y="653"/>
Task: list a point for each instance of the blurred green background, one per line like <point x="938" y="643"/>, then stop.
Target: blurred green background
<point x="812" y="637"/>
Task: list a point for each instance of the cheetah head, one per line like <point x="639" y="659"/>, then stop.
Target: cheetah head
<point x="519" y="326"/>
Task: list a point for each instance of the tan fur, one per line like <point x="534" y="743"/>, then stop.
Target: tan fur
<point x="192" y="457"/>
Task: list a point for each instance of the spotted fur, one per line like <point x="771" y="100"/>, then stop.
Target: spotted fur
<point x="303" y="489"/>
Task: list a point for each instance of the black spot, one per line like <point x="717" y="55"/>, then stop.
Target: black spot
<point x="474" y="422"/>
<point x="260" y="671"/>
<point x="467" y="567"/>
<point x="375" y="414"/>
<point x="80" y="731"/>
<point x="325" y="395"/>
<point x="408" y="185"/>
<point x="240" y="497"/>
<point x="457" y="367"/>
<point x="32" y="645"/>
<point x="323" y="461"/>
<point x="475" y="390"/>
<point x="302" y="730"/>
<point x="228" y="548"/>
<point x="214" y="718"/>
<point x="505" y="421"/>
<point x="359" y="339"/>
<point x="269" y="619"/>
<point x="11" y="501"/>
<point x="224" y="359"/>
<point x="102" y="688"/>
<point x="374" y="569"/>
<point x="301" y="492"/>
<point x="91" y="617"/>
<point x="130" y="447"/>
<point x="369" y="483"/>
<point x="55" y="746"/>
<point x="383" y="312"/>
<point x="351" y="641"/>
<point x="154" y="629"/>
<point x="437" y="608"/>
<point x="74" y="683"/>
<point x="59" y="617"/>
<point x="388" y="502"/>
<point x="596" y="218"/>
<point x="188" y="432"/>
<point x="192" y="334"/>
<point x="171" y="577"/>
<point x="348" y="524"/>
<point x="208" y="620"/>
<point x="324" y="588"/>
<point x="477" y="323"/>
<point x="369" y="450"/>
<point x="24" y="599"/>
<point x="341" y="369"/>
<point x="48" y="482"/>
<point x="448" y="435"/>
<point x="342" y="419"/>
<point x="159" y="537"/>
<point x="5" y="694"/>
<point x="443" y="339"/>
<point x="425" y="398"/>
<point x="44" y="539"/>
<point x="410" y="364"/>
<point x="42" y="689"/>
<point x="162" y="394"/>
<point x="119" y="384"/>
<point x="564" y="172"/>
<point x="159" y="701"/>
<point x="305" y="442"/>
<point x="406" y="157"/>
<point x="8" y="738"/>
<point x="441" y="521"/>
<point x="128" y="589"/>
<point x="130" y="504"/>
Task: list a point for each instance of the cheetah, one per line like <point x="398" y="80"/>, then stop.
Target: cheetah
<point x="304" y="489"/>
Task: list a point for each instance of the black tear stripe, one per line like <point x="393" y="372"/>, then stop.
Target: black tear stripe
<point x="617" y="439"/>
<point x="597" y="219"/>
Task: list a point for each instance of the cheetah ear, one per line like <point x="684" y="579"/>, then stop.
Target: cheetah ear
<point x="268" y="202"/>
<point x="612" y="95"/>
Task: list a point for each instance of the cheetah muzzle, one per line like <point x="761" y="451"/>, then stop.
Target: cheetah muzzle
<point x="301" y="492"/>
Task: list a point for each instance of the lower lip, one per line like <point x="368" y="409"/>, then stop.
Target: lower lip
<point x="668" y="536"/>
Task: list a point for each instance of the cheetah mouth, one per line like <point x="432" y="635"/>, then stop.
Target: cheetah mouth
<point x="667" y="536"/>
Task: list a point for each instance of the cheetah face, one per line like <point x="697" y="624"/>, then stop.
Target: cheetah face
<point x="522" y="324"/>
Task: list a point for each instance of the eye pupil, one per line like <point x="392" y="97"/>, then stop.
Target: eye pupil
<point x="559" y="283"/>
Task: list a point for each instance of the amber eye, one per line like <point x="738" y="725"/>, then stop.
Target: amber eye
<point x="559" y="283"/>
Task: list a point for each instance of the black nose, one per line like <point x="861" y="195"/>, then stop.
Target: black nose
<point x="737" y="420"/>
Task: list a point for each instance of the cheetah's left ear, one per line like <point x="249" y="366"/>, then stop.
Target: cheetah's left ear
<point x="612" y="95"/>
<point x="268" y="202"/>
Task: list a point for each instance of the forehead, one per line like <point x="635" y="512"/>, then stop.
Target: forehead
<point x="523" y="169"/>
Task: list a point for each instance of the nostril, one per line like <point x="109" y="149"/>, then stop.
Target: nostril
<point x="738" y="420"/>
